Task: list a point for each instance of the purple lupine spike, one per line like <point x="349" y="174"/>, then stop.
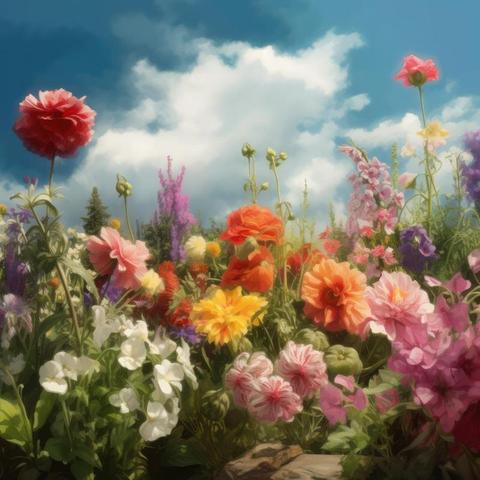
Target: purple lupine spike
<point x="174" y="205"/>
<point x="471" y="171"/>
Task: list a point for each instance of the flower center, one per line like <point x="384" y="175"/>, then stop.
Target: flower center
<point x="398" y="295"/>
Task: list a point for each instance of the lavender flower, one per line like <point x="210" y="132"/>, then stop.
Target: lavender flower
<point x="416" y="248"/>
<point x="15" y="315"/>
<point x="173" y="206"/>
<point x="471" y="172"/>
<point x="188" y="333"/>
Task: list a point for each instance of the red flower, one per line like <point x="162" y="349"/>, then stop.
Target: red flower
<point x="254" y="274"/>
<point x="253" y="221"/>
<point x="415" y="71"/>
<point x="306" y="254"/>
<point x="467" y="428"/>
<point x="199" y="273"/>
<point x="158" y="311"/>
<point x="331" y="245"/>
<point x="180" y="317"/>
<point x="55" y="124"/>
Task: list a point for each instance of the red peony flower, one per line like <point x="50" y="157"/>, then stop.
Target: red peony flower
<point x="55" y="124"/>
<point x="415" y="71"/>
<point x="253" y="221"/>
<point x="255" y="273"/>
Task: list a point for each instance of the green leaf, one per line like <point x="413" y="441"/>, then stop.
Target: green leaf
<point x="43" y="408"/>
<point x="12" y="426"/>
<point x="77" y="269"/>
<point x="87" y="454"/>
<point x="82" y="470"/>
<point x="59" y="449"/>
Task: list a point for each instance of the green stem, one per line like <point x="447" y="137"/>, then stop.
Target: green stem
<point x="52" y="168"/>
<point x="428" y="171"/>
<point x="130" y="231"/>
<point x="64" y="282"/>
<point x="66" y="419"/>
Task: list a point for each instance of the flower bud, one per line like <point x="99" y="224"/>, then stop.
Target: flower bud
<point x="284" y="328"/>
<point x="3" y="209"/>
<point x="343" y="360"/>
<point x="116" y="223"/>
<point x="248" y="151"/>
<point x="215" y="405"/>
<point x="271" y="155"/>
<point x="317" y="339"/>
<point x="244" y="345"/>
<point x="54" y="283"/>
<point x="123" y="187"/>
<point x="282" y="156"/>
<point x="264" y="186"/>
<point x="247" y="247"/>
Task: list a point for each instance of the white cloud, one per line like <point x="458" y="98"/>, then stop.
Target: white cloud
<point x="232" y="93"/>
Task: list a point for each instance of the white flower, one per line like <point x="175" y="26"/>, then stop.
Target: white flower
<point x="133" y="353"/>
<point x="126" y="399"/>
<point x="52" y="377"/>
<point x="161" y="344"/>
<point x="69" y="364"/>
<point x="103" y="327"/>
<point x="195" y="248"/>
<point x="168" y="375"/>
<point x="183" y="357"/>
<point x="136" y="330"/>
<point x="158" y="423"/>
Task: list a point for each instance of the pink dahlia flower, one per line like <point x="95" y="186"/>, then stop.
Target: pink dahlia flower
<point x="398" y="306"/>
<point x="55" y="124"/>
<point x="303" y="367"/>
<point x="274" y="399"/>
<point x="246" y="370"/>
<point x="415" y="72"/>
<point x="113" y="255"/>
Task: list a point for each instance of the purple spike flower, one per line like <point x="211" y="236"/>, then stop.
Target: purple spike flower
<point x="471" y="172"/>
<point x="174" y="205"/>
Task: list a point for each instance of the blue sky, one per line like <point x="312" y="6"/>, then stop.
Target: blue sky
<point x="195" y="79"/>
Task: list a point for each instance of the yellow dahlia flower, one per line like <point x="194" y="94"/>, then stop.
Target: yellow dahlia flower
<point x="227" y="315"/>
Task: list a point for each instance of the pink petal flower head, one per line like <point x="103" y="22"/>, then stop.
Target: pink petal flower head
<point x="474" y="260"/>
<point x="415" y="72"/>
<point x="240" y="381"/>
<point x="273" y="399"/>
<point x="398" y="306"/>
<point x="331" y="402"/>
<point x="303" y="367"/>
<point x="55" y="124"/>
<point x="405" y="180"/>
<point x="111" y="254"/>
<point x="347" y="382"/>
<point x="458" y="284"/>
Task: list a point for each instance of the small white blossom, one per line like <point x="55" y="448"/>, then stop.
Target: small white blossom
<point x="161" y="344"/>
<point x="157" y="424"/>
<point x="103" y="327"/>
<point x="69" y="364"/>
<point x="126" y="399"/>
<point x="52" y="377"/>
<point x="183" y="357"/>
<point x="167" y="376"/>
<point x="136" y="330"/>
<point x="133" y="353"/>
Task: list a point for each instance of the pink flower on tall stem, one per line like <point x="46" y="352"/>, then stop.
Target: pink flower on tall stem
<point x="54" y="124"/>
<point x="415" y="72"/>
<point x="274" y="399"/>
<point x="111" y="254"/>
<point x="303" y="367"/>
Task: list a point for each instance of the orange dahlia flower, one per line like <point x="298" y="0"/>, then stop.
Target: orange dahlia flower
<point x="253" y="221"/>
<point x="334" y="296"/>
<point x="255" y="273"/>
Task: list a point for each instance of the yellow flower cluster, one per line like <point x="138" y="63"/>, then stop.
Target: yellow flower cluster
<point x="227" y="315"/>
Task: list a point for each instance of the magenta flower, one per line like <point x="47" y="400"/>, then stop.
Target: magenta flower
<point x="303" y="367"/>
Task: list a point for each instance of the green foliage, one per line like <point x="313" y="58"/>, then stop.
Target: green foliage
<point x="97" y="214"/>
